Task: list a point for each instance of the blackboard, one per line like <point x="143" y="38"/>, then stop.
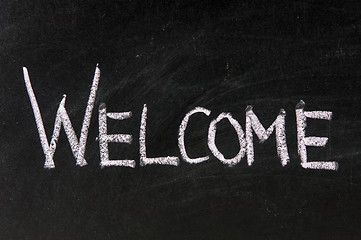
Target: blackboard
<point x="175" y="56"/>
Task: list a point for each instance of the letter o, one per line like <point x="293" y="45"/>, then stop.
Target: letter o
<point x="212" y="139"/>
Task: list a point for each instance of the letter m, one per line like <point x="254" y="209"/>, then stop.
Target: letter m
<point x="252" y="122"/>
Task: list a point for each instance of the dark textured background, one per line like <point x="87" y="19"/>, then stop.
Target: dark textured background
<point x="174" y="56"/>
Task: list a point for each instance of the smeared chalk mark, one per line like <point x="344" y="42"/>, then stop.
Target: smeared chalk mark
<point x="181" y="132"/>
<point x="301" y="118"/>
<point x="105" y="138"/>
<point x="212" y="139"/>
<point x="62" y="117"/>
<point x="252" y="122"/>
<point x="144" y="160"/>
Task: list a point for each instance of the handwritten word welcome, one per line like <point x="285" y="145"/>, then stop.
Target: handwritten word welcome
<point x="245" y="138"/>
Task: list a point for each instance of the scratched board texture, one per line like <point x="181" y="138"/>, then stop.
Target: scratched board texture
<point x="174" y="56"/>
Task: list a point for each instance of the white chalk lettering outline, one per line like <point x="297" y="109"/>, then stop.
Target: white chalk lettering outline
<point x="182" y="129"/>
<point x="212" y="139"/>
<point x="78" y="148"/>
<point x="245" y="139"/>
<point x="301" y="117"/>
<point x="105" y="138"/>
<point x="144" y="160"/>
<point x="252" y="122"/>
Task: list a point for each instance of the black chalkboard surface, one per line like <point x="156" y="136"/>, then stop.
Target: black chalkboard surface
<point x="169" y="57"/>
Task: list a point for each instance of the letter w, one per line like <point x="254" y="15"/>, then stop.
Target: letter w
<point x="78" y="148"/>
